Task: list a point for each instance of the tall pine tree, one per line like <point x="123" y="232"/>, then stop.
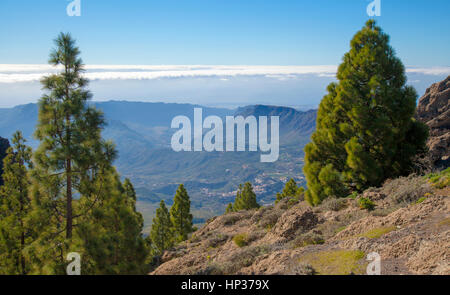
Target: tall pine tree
<point x="365" y="128"/>
<point x="180" y="215"/>
<point x="16" y="230"/>
<point x="71" y="161"/>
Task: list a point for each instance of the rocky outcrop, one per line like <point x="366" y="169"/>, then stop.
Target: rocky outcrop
<point x="4" y="145"/>
<point x="434" y="110"/>
<point x="409" y="229"/>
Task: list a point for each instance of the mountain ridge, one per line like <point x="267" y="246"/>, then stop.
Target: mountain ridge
<point x="142" y="134"/>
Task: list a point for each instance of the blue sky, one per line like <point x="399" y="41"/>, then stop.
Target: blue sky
<point x="213" y="32"/>
<point x="256" y="32"/>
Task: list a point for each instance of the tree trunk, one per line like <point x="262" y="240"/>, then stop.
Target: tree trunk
<point x="69" y="200"/>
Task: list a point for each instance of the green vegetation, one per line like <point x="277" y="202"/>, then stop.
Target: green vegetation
<point x="229" y="208"/>
<point x="310" y="238"/>
<point x="377" y="232"/>
<point x="67" y="196"/>
<point x="4" y="145"/>
<point x="161" y="234"/>
<point x="245" y="199"/>
<point x="353" y="195"/>
<point x="441" y="179"/>
<point x="16" y="226"/>
<point x="169" y="229"/>
<point x="180" y="215"/>
<point x="336" y="262"/>
<point x="421" y="200"/>
<point x="241" y="240"/>
<point x="366" y="203"/>
<point x="365" y="130"/>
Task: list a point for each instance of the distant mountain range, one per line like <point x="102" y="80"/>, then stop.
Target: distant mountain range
<point x="142" y="134"/>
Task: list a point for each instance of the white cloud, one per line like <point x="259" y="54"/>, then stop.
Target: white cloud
<point x="30" y="73"/>
<point x="435" y="71"/>
<point x="13" y="73"/>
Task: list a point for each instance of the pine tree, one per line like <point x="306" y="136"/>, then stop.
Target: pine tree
<point x="229" y="208"/>
<point x="16" y="230"/>
<point x="161" y="231"/>
<point x="245" y="198"/>
<point x="4" y="145"/>
<point x="72" y="159"/>
<point x="290" y="190"/>
<point x="365" y="128"/>
<point x="180" y="215"/>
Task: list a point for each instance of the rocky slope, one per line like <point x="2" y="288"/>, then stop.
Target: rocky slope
<point x="409" y="229"/>
<point x="434" y="110"/>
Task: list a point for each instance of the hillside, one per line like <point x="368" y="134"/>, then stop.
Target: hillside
<point x="409" y="229"/>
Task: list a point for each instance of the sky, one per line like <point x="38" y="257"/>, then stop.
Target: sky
<point x="214" y="52"/>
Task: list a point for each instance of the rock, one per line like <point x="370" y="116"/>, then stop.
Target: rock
<point x="434" y="110"/>
<point x="413" y="238"/>
<point x="293" y="220"/>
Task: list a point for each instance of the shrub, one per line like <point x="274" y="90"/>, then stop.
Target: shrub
<point x="365" y="203"/>
<point x="302" y="269"/>
<point x="353" y="195"/>
<point x="243" y="258"/>
<point x="440" y="180"/>
<point x="334" y="204"/>
<point x="330" y="228"/>
<point x="231" y="219"/>
<point x="241" y="240"/>
<point x="405" y="190"/>
<point x="216" y="240"/>
<point x="310" y="238"/>
<point x="377" y="232"/>
<point x="269" y="219"/>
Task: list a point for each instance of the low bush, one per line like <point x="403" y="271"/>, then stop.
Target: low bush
<point x="439" y="180"/>
<point x="302" y="269"/>
<point x="270" y="219"/>
<point x="310" y="238"/>
<point x="216" y="240"/>
<point x="405" y="190"/>
<point x="333" y="204"/>
<point x="377" y="232"/>
<point x="365" y="203"/>
<point x="241" y="240"/>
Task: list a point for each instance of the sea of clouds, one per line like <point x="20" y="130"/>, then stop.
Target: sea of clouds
<point x="224" y="85"/>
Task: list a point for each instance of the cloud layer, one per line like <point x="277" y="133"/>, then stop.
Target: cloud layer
<point x="10" y="73"/>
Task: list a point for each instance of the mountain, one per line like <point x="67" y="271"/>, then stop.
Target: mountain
<point x="142" y="134"/>
<point x="434" y="110"/>
<point x="291" y="120"/>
